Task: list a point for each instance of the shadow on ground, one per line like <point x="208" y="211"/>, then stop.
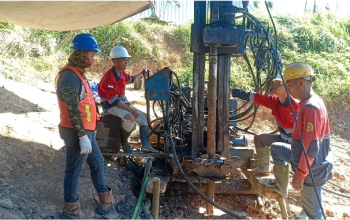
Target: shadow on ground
<point x="11" y="103"/>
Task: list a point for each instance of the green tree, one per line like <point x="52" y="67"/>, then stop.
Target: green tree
<point x="256" y="4"/>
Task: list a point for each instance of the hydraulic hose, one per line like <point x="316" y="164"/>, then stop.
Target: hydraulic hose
<point x="148" y="114"/>
<point x="295" y="119"/>
<point x="229" y="212"/>
<point x="143" y="189"/>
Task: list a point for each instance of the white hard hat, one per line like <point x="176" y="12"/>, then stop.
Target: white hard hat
<point x="278" y="78"/>
<point x="119" y="52"/>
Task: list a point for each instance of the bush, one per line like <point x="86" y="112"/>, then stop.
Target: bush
<point x="321" y="40"/>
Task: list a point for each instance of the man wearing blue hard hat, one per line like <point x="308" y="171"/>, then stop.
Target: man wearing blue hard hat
<point x="78" y="116"/>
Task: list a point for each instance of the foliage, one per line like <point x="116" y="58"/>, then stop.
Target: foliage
<point x="321" y="40"/>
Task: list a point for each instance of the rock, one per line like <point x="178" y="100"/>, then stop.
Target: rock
<point x="329" y="213"/>
<point x="346" y="215"/>
<point x="11" y="215"/>
<point x="113" y="216"/>
<point x="6" y="203"/>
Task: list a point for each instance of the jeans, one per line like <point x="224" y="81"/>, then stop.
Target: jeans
<point x="263" y="140"/>
<point x="75" y="163"/>
<point x="127" y="124"/>
<point x="281" y="153"/>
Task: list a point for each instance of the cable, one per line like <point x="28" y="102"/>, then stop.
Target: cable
<point x="229" y="212"/>
<point x="266" y="61"/>
<point x="295" y="119"/>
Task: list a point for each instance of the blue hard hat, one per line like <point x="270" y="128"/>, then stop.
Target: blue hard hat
<point x="85" y="42"/>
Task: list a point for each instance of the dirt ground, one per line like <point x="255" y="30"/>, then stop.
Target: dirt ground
<point x="32" y="161"/>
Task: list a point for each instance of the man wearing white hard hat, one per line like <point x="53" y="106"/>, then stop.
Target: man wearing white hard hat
<point x="111" y="90"/>
<point x="279" y="103"/>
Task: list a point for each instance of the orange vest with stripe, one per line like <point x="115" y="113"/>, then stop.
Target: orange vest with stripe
<point x="87" y="106"/>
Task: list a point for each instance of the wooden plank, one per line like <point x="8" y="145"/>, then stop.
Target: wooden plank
<point x="257" y="184"/>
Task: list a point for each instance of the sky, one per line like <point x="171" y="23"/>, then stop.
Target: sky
<point x="291" y="6"/>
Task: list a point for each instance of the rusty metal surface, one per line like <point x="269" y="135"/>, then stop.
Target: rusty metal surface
<point x="158" y="85"/>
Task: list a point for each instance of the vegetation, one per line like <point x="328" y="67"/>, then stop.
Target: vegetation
<point x="321" y="40"/>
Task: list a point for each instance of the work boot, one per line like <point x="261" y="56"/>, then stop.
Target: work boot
<point x="282" y="180"/>
<point x="125" y="144"/>
<point x="302" y="215"/>
<point x="107" y="203"/>
<point x="72" y="210"/>
<point x="263" y="154"/>
<point x="144" y="136"/>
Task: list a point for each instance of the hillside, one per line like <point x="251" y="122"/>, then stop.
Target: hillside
<point x="32" y="155"/>
<point x="321" y="40"/>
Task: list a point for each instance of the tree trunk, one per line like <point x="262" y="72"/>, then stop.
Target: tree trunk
<point x="305" y="6"/>
<point x="315" y="7"/>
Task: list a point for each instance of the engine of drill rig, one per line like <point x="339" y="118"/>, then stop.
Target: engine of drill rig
<point x="170" y="103"/>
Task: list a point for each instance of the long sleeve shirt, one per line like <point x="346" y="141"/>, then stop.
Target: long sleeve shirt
<point x="282" y="112"/>
<point x="314" y="127"/>
<point x="111" y="88"/>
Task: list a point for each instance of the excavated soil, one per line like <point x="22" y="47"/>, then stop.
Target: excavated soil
<point x="32" y="161"/>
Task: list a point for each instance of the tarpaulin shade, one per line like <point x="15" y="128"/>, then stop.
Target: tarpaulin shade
<point x="68" y="15"/>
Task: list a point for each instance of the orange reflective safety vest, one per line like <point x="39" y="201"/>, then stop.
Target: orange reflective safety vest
<point x="87" y="106"/>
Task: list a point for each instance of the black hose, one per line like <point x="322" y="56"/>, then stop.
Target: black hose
<point x="229" y="212"/>
<point x="148" y="114"/>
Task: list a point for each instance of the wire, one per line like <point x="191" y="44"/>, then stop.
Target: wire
<point x="296" y="121"/>
<point x="266" y="61"/>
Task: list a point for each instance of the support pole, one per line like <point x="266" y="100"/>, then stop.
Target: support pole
<point x="212" y="95"/>
<point x="155" y="199"/>
<point x="198" y="86"/>
<point x="223" y="139"/>
<point x="210" y="194"/>
<point x="211" y="127"/>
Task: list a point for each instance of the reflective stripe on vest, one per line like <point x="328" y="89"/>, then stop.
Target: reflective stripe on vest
<point x="87" y="105"/>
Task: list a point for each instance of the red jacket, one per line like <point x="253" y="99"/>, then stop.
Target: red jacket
<point x="110" y="89"/>
<point x="282" y="112"/>
<point x="314" y="127"/>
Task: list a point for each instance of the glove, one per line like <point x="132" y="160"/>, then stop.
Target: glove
<point x="241" y="94"/>
<point x="236" y="92"/>
<point x="85" y="144"/>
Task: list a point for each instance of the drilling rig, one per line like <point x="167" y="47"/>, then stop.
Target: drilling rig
<point x="197" y="130"/>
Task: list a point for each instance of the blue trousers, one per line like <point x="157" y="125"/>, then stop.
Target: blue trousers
<point x="75" y="163"/>
<point x="281" y="153"/>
